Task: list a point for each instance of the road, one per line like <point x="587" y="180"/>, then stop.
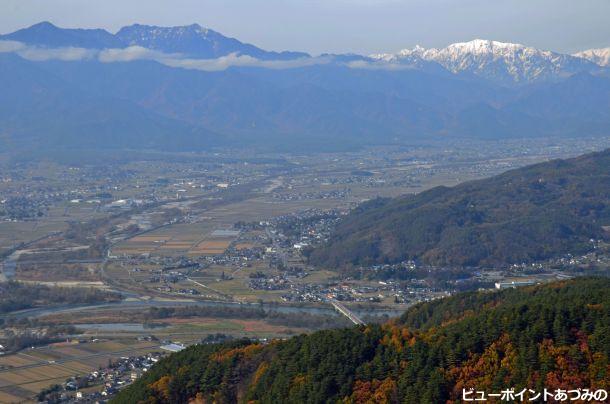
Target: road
<point x="218" y="292"/>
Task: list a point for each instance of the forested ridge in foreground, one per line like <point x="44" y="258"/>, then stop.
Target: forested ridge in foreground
<point x="528" y="214"/>
<point x="549" y="336"/>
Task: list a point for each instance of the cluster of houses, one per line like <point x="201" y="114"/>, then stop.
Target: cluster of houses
<point x="117" y="375"/>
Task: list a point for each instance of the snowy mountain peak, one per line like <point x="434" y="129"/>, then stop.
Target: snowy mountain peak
<point x="139" y="34"/>
<point x="474" y="47"/>
<point x="485" y="46"/>
<point x="599" y="56"/>
<point x="498" y="61"/>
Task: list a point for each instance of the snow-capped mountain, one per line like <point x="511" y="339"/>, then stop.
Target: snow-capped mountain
<point x="502" y="63"/>
<point x="497" y="61"/>
<point x="598" y="56"/>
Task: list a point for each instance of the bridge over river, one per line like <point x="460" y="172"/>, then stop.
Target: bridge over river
<point x="346" y="312"/>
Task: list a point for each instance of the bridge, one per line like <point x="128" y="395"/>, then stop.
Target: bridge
<point x="346" y="312"/>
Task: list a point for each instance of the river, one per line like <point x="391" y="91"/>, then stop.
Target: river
<point x="131" y="304"/>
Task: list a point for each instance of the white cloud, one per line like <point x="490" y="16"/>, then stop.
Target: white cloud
<point x="133" y="53"/>
<point x="10" y="46"/>
<point x="235" y="60"/>
<point x="378" y="65"/>
<point x="68" y="54"/>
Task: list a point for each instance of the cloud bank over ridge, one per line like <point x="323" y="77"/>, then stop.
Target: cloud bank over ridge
<point x="134" y="53"/>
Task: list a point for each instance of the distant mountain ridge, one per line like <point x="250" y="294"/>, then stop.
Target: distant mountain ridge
<point x="494" y="60"/>
<point x="208" y="90"/>
<point x="191" y="40"/>
<point x="498" y="61"/>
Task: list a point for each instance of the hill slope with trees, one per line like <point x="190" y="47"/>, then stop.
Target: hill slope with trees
<point x="527" y="214"/>
<point x="548" y="336"/>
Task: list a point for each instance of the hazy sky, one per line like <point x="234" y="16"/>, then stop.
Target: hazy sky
<point x="362" y="26"/>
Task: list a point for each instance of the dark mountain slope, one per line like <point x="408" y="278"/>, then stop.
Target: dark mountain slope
<point x="194" y="40"/>
<point x="191" y="40"/>
<point x="248" y="108"/>
<point x="551" y="336"/>
<point x="579" y="104"/>
<point x="341" y="104"/>
<point x="41" y="111"/>
<point x="531" y="213"/>
<point x="46" y="34"/>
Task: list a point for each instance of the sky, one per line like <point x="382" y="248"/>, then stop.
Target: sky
<point x="340" y="26"/>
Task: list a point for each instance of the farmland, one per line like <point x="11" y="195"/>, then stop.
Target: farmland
<point x="177" y="233"/>
<point x="24" y="374"/>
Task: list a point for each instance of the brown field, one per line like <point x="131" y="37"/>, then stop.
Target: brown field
<point x="35" y="387"/>
<point x="258" y="326"/>
<point x="243" y="246"/>
<point x="213" y="246"/>
<point x="8" y="398"/>
<point x="15" y="360"/>
<point x="79" y="366"/>
<point x="176" y="245"/>
<point x="16" y="377"/>
<point x="179" y="238"/>
<point x="131" y="251"/>
<point x="148" y="239"/>
<point x="44" y="355"/>
<point x="107" y="346"/>
<point x="33" y="375"/>
<point x="71" y="351"/>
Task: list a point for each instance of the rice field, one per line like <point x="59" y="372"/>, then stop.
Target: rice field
<point x="193" y="239"/>
<point x="25" y="374"/>
<point x="211" y="247"/>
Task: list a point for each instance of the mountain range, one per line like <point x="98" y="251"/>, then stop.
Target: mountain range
<point x="502" y="62"/>
<point x="192" y="40"/>
<point x="190" y="87"/>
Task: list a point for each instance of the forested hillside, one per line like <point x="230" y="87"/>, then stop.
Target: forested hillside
<point x="527" y="214"/>
<point x="549" y="336"/>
